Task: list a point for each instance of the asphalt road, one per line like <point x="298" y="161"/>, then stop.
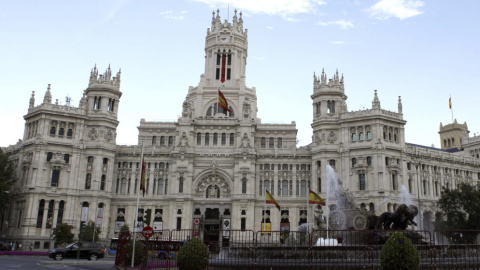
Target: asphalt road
<point x="45" y="263"/>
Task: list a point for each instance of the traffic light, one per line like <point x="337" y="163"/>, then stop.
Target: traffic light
<point x="82" y="225"/>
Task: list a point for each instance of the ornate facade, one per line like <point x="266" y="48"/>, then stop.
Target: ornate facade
<point x="211" y="167"/>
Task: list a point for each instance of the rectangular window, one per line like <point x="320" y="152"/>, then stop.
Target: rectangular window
<point x="55" y="178"/>
<point x="217" y="74"/>
<point x="180" y="185"/>
<point x="229" y="71"/>
<point x="179" y="223"/>
<point x="361" y="180"/>
<point x="243" y="224"/>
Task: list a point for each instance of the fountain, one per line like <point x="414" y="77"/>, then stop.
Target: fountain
<point x="346" y="215"/>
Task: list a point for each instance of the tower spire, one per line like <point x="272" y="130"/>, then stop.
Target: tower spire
<point x="32" y="100"/>
<point x="376" y="102"/>
<point x="48" y="96"/>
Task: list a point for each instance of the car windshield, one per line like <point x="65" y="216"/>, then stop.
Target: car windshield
<point x="72" y="245"/>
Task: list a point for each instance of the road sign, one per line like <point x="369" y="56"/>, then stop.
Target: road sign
<point x="147" y="232"/>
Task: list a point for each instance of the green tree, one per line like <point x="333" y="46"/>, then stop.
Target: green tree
<point x="461" y="209"/>
<point x="87" y="232"/>
<point x="125" y="228"/>
<point x="193" y="255"/>
<point x="63" y="234"/>
<point x="7" y="178"/>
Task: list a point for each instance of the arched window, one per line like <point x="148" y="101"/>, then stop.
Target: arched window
<point x="88" y="181"/>
<point x="49" y="156"/>
<point x="270" y="143"/>
<point x="262" y="142"/>
<point x="123" y="186"/>
<point x="279" y="142"/>
<point x="160" y="187"/>
<point x="61" y="207"/>
<point x="369" y="161"/>
<point x="354" y="161"/>
<point x="371" y="207"/>
<point x="224" y="138"/>
<point x="69" y="133"/>
<point x="284" y="189"/>
<point x="61" y="132"/>
<point x="215" y="138"/>
<point x="360" y="136"/>
<point x="303" y="188"/>
<point x="170" y="140"/>
<point x="232" y="139"/>
<point x="41" y="208"/>
<point x="207" y="139"/>
<point x="154" y="140"/>
<point x="52" y="131"/>
<point x="162" y="141"/>
<point x="354" y="137"/>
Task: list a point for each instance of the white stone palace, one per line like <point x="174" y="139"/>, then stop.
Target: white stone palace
<point x="213" y="165"/>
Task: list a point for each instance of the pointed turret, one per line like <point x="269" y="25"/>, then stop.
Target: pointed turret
<point x="376" y="102"/>
<point x="104" y="79"/>
<point x="32" y="100"/>
<point x="47" y="99"/>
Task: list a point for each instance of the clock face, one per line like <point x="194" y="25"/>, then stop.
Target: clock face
<point x="224" y="39"/>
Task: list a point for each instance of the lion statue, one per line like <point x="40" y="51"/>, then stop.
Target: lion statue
<point x="399" y="220"/>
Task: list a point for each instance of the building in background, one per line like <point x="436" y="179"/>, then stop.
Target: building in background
<point x="211" y="167"/>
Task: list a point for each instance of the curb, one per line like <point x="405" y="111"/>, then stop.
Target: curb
<point x="75" y="262"/>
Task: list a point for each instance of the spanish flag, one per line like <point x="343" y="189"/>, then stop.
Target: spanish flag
<point x="314" y="198"/>
<point x="450" y="103"/>
<point x="271" y="200"/>
<point x="222" y="101"/>
<point x="142" y="178"/>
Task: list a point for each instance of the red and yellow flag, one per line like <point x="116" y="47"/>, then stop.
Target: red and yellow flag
<point x="270" y="199"/>
<point x="142" y="178"/>
<point x="222" y="101"/>
<point x="450" y="103"/>
<point x="314" y="198"/>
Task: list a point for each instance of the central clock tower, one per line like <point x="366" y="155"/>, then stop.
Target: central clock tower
<point x="225" y="52"/>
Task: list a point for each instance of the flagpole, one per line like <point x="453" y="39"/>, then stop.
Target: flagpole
<point x="138" y="201"/>
<point x="308" y="197"/>
<point x="264" y="213"/>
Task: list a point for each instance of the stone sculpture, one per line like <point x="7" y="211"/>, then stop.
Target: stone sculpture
<point x="399" y="220"/>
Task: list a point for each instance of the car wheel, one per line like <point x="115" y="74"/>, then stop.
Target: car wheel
<point x="58" y="257"/>
<point x="162" y="256"/>
<point x="93" y="257"/>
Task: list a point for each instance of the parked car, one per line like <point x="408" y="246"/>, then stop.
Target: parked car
<point x="88" y="250"/>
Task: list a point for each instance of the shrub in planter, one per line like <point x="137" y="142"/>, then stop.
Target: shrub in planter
<point x="399" y="253"/>
<point x="193" y="255"/>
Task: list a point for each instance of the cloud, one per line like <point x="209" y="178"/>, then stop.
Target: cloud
<point x="171" y="15"/>
<point x="284" y="8"/>
<point x="269" y="27"/>
<point x="342" y="23"/>
<point x="402" y="9"/>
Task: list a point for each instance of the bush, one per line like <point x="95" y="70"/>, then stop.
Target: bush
<point x="139" y="252"/>
<point x="193" y="255"/>
<point x="399" y="253"/>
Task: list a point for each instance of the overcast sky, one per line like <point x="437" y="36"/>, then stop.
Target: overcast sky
<point x="423" y="51"/>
